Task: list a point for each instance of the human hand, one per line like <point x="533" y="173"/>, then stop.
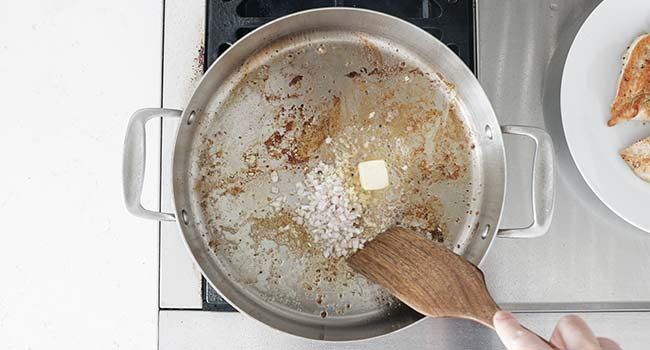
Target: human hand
<point x="570" y="333"/>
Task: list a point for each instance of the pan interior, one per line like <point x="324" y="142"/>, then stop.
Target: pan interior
<point x="336" y="98"/>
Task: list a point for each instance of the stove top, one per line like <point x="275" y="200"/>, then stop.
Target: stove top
<point x="451" y="21"/>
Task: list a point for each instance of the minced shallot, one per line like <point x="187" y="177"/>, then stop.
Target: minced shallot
<point x="329" y="211"/>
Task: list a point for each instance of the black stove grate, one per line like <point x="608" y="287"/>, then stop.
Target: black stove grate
<point x="451" y="21"/>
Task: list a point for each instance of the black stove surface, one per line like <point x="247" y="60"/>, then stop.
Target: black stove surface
<point x="451" y="21"/>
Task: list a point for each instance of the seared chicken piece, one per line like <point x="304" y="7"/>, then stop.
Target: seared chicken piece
<point x="637" y="156"/>
<point x="632" y="100"/>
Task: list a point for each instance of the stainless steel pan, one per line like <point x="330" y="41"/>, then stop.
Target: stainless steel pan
<point x="335" y="86"/>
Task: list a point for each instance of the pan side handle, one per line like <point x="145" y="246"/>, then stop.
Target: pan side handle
<point x="133" y="162"/>
<point x="543" y="184"/>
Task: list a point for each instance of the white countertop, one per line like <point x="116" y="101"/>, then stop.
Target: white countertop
<point x="78" y="271"/>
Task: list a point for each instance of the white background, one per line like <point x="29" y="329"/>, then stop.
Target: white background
<point x="76" y="270"/>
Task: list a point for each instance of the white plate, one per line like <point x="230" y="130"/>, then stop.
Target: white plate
<point x="589" y="85"/>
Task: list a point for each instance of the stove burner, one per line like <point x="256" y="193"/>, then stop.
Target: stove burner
<point x="451" y="21"/>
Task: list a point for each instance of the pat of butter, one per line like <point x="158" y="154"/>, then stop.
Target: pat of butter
<point x="373" y="175"/>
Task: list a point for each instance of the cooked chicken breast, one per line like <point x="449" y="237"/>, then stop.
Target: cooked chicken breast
<point x="637" y="156"/>
<point x="632" y="100"/>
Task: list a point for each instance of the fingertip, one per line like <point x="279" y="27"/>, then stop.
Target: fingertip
<point x="513" y="335"/>
<point x="574" y="333"/>
<point x="507" y="326"/>
<point x="503" y="315"/>
<point x="572" y="321"/>
<point x="608" y="344"/>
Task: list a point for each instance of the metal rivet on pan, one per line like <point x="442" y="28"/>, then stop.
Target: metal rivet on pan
<point x="488" y="132"/>
<point x="486" y="230"/>
<point x="184" y="217"/>
<point x="190" y="119"/>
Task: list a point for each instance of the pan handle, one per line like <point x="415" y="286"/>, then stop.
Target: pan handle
<point x="543" y="188"/>
<point x="133" y="162"/>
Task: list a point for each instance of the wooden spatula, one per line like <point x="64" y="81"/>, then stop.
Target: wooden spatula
<point x="430" y="279"/>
